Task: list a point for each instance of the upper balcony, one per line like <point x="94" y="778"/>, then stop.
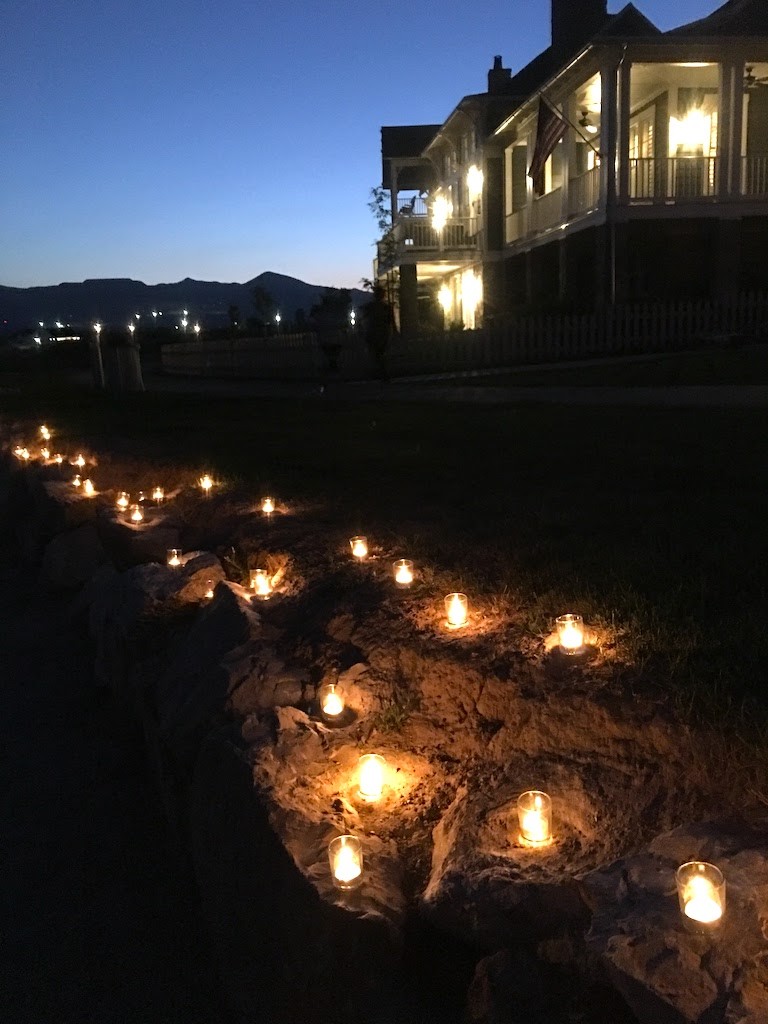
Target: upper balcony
<point x="413" y="239"/>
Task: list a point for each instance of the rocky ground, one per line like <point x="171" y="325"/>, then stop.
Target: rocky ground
<point x="455" y="918"/>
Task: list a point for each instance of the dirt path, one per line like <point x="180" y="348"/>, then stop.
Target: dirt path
<point x="96" y="921"/>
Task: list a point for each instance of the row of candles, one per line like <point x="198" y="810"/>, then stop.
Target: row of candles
<point x="700" y="885"/>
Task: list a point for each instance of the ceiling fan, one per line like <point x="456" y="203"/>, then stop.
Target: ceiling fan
<point x="751" y="81"/>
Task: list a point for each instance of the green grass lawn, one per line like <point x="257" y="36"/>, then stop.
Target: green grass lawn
<point x="746" y="364"/>
<point x="652" y="520"/>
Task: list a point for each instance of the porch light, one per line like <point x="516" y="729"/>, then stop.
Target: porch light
<point x="345" y="854"/>
<point x="456" y="610"/>
<point x="123" y="500"/>
<point x="534" y="813"/>
<point x="442" y="209"/>
<point x="570" y="633"/>
<point x="261" y="584"/>
<point x="474" y="182"/>
<point x="332" y="701"/>
<point x="403" y="570"/>
<point x="701" y="894"/>
<point x="690" y="133"/>
<point x="585" y="122"/>
<point x="371" y="777"/>
<point x="173" y="557"/>
<point x="445" y="298"/>
<point x="359" y="547"/>
<point x="471" y="290"/>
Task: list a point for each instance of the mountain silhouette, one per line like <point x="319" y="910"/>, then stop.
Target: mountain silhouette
<point x="116" y="300"/>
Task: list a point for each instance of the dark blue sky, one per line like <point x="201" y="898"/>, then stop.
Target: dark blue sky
<point x="216" y="140"/>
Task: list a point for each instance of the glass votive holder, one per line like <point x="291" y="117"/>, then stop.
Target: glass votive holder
<point x="89" y="488"/>
<point x="332" y="700"/>
<point x="158" y="495"/>
<point x="403" y="572"/>
<point x="136" y="514"/>
<point x="260" y="583"/>
<point x="79" y="461"/>
<point x="456" y="610"/>
<point x="268" y="506"/>
<point x="345" y="854"/>
<point x="76" y="481"/>
<point x="701" y="895"/>
<point x="123" y="500"/>
<point x="370" y="776"/>
<point x="173" y="558"/>
<point x="359" y="547"/>
<point x="534" y="814"/>
<point x="570" y="633"/>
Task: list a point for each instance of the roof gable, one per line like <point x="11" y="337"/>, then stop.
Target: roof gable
<point x="734" y="18"/>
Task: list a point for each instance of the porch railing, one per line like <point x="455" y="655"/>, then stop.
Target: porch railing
<point x="754" y="175"/>
<point x="673" y="178"/>
<point x="547" y="211"/>
<point x="584" y="192"/>
<point x="417" y="234"/>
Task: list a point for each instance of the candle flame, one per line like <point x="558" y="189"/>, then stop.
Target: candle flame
<point x="173" y="557"/>
<point x="456" y="611"/>
<point x="333" y="704"/>
<point x="268" y="506"/>
<point x="123" y="499"/>
<point x="371" y="777"/>
<point x="206" y="482"/>
<point x="359" y="547"/>
<point x="158" y="494"/>
<point x="88" y="489"/>
<point x="45" y="433"/>
<point x="346" y="865"/>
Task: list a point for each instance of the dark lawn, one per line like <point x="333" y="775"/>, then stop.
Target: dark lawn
<point x="654" y="519"/>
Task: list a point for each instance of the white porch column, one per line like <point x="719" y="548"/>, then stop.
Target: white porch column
<point x="622" y="129"/>
<point x="732" y="141"/>
<point x="609" y="136"/>
<point x="567" y="144"/>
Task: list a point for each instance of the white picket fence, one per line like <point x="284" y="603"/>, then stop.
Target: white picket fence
<point x="648" y="327"/>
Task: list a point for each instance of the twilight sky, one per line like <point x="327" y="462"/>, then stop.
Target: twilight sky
<point x="216" y="139"/>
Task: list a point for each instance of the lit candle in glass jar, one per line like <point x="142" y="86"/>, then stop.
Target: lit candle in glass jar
<point x="268" y="506"/>
<point x="345" y="854"/>
<point x="158" y="495"/>
<point x="701" y="894"/>
<point x="136" y="514"/>
<point x="123" y="500"/>
<point x="174" y="557"/>
<point x="359" y="547"/>
<point x="58" y="458"/>
<point x="21" y="453"/>
<point x="403" y="570"/>
<point x="370" y="769"/>
<point x="209" y="589"/>
<point x="76" y="481"/>
<point x="45" y="433"/>
<point x="332" y="701"/>
<point x="206" y="483"/>
<point x="88" y="488"/>
<point x="79" y="461"/>
<point x="261" y="584"/>
<point x="45" y="454"/>
<point x="534" y="812"/>
<point x="570" y="633"/>
<point x="456" y="609"/>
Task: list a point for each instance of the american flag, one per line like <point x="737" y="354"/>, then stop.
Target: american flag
<point x="550" y="128"/>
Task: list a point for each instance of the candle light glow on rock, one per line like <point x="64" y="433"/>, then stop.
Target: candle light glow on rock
<point x="174" y="557"/>
<point x="359" y="547"/>
<point x="534" y="812"/>
<point x="371" y="777"/>
<point x="456" y="609"/>
<point x="403" y="570"/>
<point x="570" y="633"/>
<point x="261" y="584"/>
<point x="701" y="894"/>
<point x="345" y="854"/>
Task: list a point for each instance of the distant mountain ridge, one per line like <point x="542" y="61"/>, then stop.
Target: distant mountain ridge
<point x="114" y="300"/>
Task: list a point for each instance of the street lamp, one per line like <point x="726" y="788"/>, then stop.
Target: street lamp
<point x="184" y="322"/>
<point x="98" y="365"/>
<point x="196" y="329"/>
<point x="278" y="318"/>
<point x="131" y="328"/>
<point x="352" y="318"/>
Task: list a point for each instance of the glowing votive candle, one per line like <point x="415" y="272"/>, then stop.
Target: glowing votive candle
<point x="206" y="483"/>
<point x="88" y="488"/>
<point x="403" y="570"/>
<point x="45" y="454"/>
<point x="45" y="433"/>
<point x="534" y="812"/>
<point x="370" y="770"/>
<point x="261" y="584"/>
<point x="58" y="458"/>
<point x="21" y="453"/>
<point x="209" y="589"/>
<point x="570" y="633"/>
<point x="332" y="701"/>
<point x="76" y="481"/>
<point x="359" y="547"/>
<point x="174" y="557"/>
<point x="345" y="854"/>
<point x="136" y="514"/>
<point x="123" y="500"/>
<point x="701" y="894"/>
<point x="79" y="461"/>
<point x="456" y="609"/>
<point x="268" y="506"/>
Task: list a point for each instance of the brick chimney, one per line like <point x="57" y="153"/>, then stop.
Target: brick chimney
<point x="498" y="78"/>
<point x="576" y="21"/>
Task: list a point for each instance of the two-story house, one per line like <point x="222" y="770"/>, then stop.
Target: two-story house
<point x="654" y="186"/>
